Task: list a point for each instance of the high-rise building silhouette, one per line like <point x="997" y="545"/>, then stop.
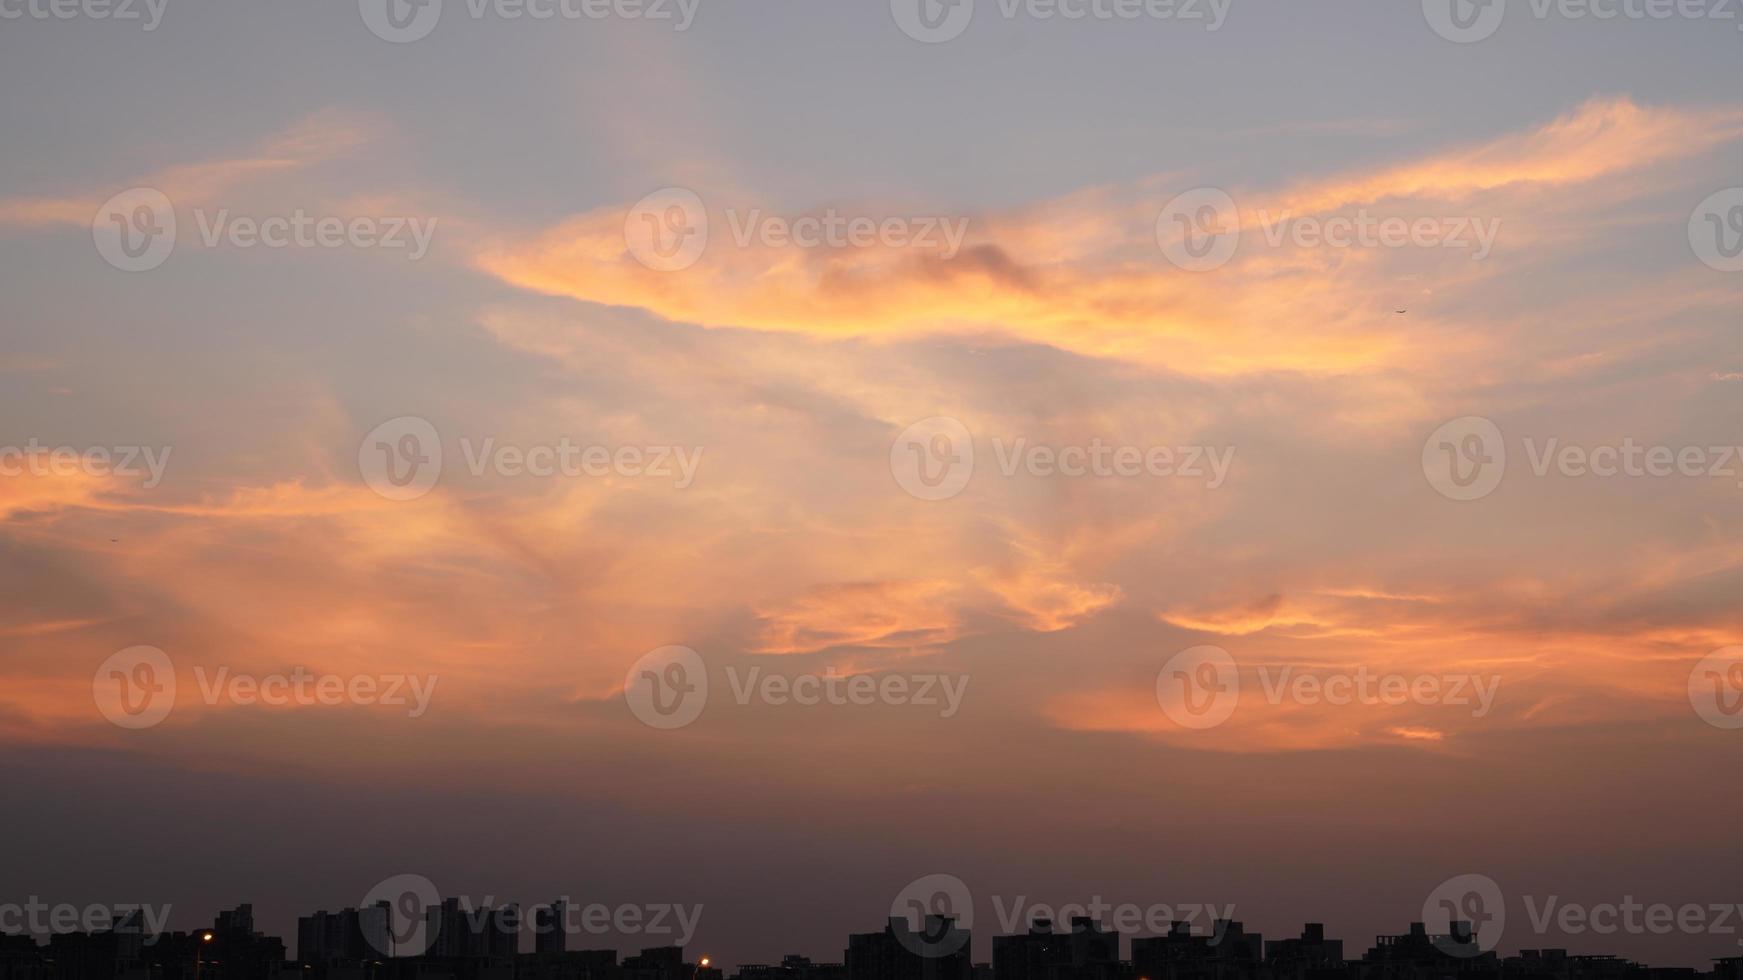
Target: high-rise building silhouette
<point x="458" y="931"/>
<point x="346" y="936"/>
<point x="548" y="932"/>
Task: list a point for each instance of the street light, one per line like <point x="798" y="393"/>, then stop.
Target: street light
<point x="205" y="937"/>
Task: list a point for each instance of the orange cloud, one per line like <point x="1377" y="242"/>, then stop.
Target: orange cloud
<point x="1085" y="274"/>
<point x="1602" y="137"/>
<point x="1041" y="595"/>
<point x="880" y="615"/>
<point x="315" y="139"/>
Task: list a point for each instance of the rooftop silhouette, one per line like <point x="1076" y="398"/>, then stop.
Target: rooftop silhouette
<point x="449" y="942"/>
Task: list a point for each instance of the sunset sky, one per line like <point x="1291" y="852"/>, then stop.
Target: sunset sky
<point x="795" y="547"/>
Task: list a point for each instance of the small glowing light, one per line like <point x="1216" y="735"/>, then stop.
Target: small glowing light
<point x="705" y="961"/>
<point x="206" y="938"/>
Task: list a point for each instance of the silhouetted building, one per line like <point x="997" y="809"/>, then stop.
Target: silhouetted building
<point x="461" y="932"/>
<point x="548" y="934"/>
<point x="233" y="950"/>
<point x="658" y="963"/>
<point x="1085" y="952"/>
<point x="792" y="967"/>
<point x="1420" y="955"/>
<point x="938" y="950"/>
<point x="21" y="959"/>
<point x="348" y="936"/>
<point x="1228" y="952"/>
<point x="582" y="964"/>
<point x="1309" y="957"/>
